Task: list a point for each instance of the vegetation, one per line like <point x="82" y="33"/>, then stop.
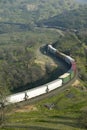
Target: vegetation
<point x="58" y="112"/>
<point x="23" y="66"/>
<point x="72" y="44"/>
<point x="19" y="38"/>
<point x="30" y="11"/>
<point x="74" y="19"/>
<point x="19" y="62"/>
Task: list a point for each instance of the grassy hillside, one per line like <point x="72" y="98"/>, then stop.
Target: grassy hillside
<point x="64" y="111"/>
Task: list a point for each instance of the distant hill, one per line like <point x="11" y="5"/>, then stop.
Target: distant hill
<point x="76" y="19"/>
<point x="30" y="11"/>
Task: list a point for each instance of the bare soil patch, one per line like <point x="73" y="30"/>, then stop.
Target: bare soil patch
<point x="76" y="83"/>
<point x="26" y="109"/>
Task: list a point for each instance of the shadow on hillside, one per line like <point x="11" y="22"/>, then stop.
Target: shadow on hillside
<point x="63" y="117"/>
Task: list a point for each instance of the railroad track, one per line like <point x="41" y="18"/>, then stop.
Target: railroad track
<point x="50" y="89"/>
<point x="51" y="93"/>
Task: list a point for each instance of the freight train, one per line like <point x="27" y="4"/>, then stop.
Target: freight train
<point x="46" y="88"/>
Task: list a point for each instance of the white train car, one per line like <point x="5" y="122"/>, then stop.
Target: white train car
<point x="69" y="60"/>
<point x="51" y="49"/>
<point x="36" y="91"/>
<point x="15" y="98"/>
<point x="54" y="84"/>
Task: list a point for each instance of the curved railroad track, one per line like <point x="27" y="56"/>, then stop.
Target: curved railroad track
<point x="49" y="89"/>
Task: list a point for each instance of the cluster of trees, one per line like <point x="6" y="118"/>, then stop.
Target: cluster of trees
<point x="17" y="67"/>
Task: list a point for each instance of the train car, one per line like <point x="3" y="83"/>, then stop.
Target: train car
<point x="73" y="65"/>
<point x="69" y="60"/>
<point x="51" y="49"/>
<point x="36" y="91"/>
<point x="54" y="84"/>
<point x="65" y="78"/>
<point x="60" y="55"/>
<point x="15" y="98"/>
<point x="72" y="73"/>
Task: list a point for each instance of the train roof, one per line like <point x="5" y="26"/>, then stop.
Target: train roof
<point x="70" y="58"/>
<point x="51" y="47"/>
<point x="56" y="80"/>
<point x="64" y="75"/>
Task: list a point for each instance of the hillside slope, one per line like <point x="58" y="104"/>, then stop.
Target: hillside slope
<point x="76" y="19"/>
